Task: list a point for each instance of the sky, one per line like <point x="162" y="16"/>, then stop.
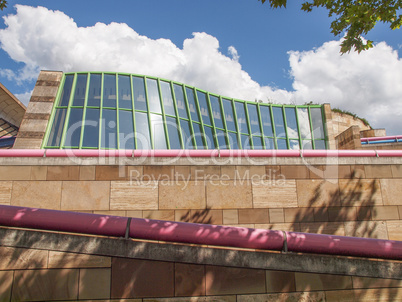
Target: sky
<point x="237" y="48"/>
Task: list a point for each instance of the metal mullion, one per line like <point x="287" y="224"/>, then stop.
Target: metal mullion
<point x="133" y="111"/>
<point x="163" y="114"/>
<point x="101" y="112"/>
<point x="177" y="114"/>
<point x="250" y="135"/>
<point x="53" y="114"/>
<point x="285" y="124"/>
<point x="239" y="143"/>
<point x="84" y="114"/>
<point x="117" y="112"/>
<point x="203" y="136"/>
<point x="67" y="120"/>
<point x="271" y="112"/>
<point x="311" y="128"/>
<point x="148" y="112"/>
<point x="189" y="117"/>
<point x="224" y="121"/>
<point x="211" y="114"/>
<point x="261" y="128"/>
<point x="298" y="128"/>
<point x="324" y="122"/>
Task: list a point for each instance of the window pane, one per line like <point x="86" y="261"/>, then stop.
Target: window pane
<point x="80" y="90"/>
<point x="109" y="135"/>
<point x="192" y="105"/>
<point x="126" y="129"/>
<point x="266" y="121"/>
<point x="158" y="132"/>
<point x="281" y="144"/>
<point x="109" y="90"/>
<point x="142" y="131"/>
<point x="316" y="119"/>
<point x="57" y="128"/>
<point x="186" y="133"/>
<point x="307" y="145"/>
<point x="94" y="93"/>
<point x="254" y="119"/>
<point x="245" y="142"/>
<point x="180" y="103"/>
<point x="269" y="143"/>
<point x="241" y="118"/>
<point x="294" y="144"/>
<point x="65" y="95"/>
<point x="140" y="102"/>
<point x="304" y="123"/>
<point x="198" y="136"/>
<point x="174" y="136"/>
<point x="91" y="128"/>
<point x="319" y="144"/>
<point x="220" y="135"/>
<point x="74" y="128"/>
<point x="209" y="137"/>
<point x="202" y="100"/>
<point x="278" y="122"/>
<point x="291" y="122"/>
<point x="229" y="116"/>
<point x="216" y="111"/>
<point x="167" y="98"/>
<point x="233" y="143"/>
<point x="125" y="92"/>
<point x="153" y="96"/>
<point x="257" y="143"/>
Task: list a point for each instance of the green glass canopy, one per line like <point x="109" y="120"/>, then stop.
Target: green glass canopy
<point x="102" y="110"/>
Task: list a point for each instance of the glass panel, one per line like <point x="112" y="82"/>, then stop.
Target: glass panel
<point x="126" y="129"/>
<point x="125" y="92"/>
<point x="229" y="116"/>
<point x="319" y="144"/>
<point x="109" y="90"/>
<point x="281" y="144"/>
<point x="109" y="135"/>
<point x="307" y="145"/>
<point x="167" y="98"/>
<point x="202" y="100"/>
<point x="233" y="143"/>
<point x="316" y="119"/>
<point x="241" y="118"/>
<point x="65" y="95"/>
<point x="269" y="143"/>
<point x="192" y="105"/>
<point x="94" y="93"/>
<point x="174" y="136"/>
<point x="304" y="123"/>
<point x="209" y="137"/>
<point x="142" y="131"/>
<point x="220" y="135"/>
<point x="245" y="142"/>
<point x="254" y="119"/>
<point x="257" y="143"/>
<point x="80" y="89"/>
<point x="278" y="122"/>
<point x="294" y="144"/>
<point x="291" y="122"/>
<point x="153" y="96"/>
<point x="180" y="103"/>
<point x="74" y="128"/>
<point x="216" y="111"/>
<point x="198" y="136"/>
<point x="158" y="132"/>
<point x="91" y="128"/>
<point x="57" y="128"/>
<point x="140" y="102"/>
<point x="266" y="121"/>
<point x="186" y="133"/>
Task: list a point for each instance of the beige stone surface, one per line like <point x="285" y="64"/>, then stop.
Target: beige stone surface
<point x="394" y="228"/>
<point x="385" y="213"/>
<point x="361" y="192"/>
<point x="230" y="217"/>
<point x="364" y="282"/>
<point x="278" y="281"/>
<point x="94" y="283"/>
<point x="225" y="298"/>
<point x="33" y="125"/>
<point x="5" y="192"/>
<point x="134" y="196"/>
<point x="368" y="229"/>
<point x="378" y="171"/>
<point x="73" y="260"/>
<point x="160" y="215"/>
<point x="396" y="171"/>
<point x="87" y="173"/>
<point x="317" y="193"/>
<point x="329" y="228"/>
<point x="290" y="227"/>
<point x="205" y="172"/>
<point x="45" y="91"/>
<point x="310" y="282"/>
<point x="228" y="195"/>
<point x="15" y="172"/>
<point x="40" y="107"/>
<point x="275" y="194"/>
<point x="299" y="214"/>
<point x="391" y="191"/>
<point x="38" y="172"/>
<point x="27" y="143"/>
<point x="182" y="195"/>
<point x="63" y="173"/>
<point x="6" y="278"/>
<point x="276" y="216"/>
<point x="37" y="194"/>
<point x="19" y="258"/>
<point x="85" y="195"/>
<point x="282" y="297"/>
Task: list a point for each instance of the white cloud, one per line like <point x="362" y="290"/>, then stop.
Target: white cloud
<point x="24" y="97"/>
<point x="367" y="83"/>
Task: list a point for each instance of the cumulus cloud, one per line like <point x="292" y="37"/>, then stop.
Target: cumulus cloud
<point x="367" y="83"/>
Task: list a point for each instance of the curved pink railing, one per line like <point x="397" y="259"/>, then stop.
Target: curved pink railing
<point x="193" y="233"/>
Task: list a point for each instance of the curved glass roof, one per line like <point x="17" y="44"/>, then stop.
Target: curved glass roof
<point x="102" y="110"/>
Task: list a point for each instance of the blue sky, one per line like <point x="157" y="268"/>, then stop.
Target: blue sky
<point x="284" y="55"/>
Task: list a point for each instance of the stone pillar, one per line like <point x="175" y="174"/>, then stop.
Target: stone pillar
<point x="349" y="139"/>
<point x="329" y="126"/>
<point x="36" y="118"/>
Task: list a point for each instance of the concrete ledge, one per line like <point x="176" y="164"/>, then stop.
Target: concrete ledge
<point x="200" y="255"/>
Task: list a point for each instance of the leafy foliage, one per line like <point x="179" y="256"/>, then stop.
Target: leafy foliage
<point x="355" y="116"/>
<point x="3" y="4"/>
<point x="355" y="17"/>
